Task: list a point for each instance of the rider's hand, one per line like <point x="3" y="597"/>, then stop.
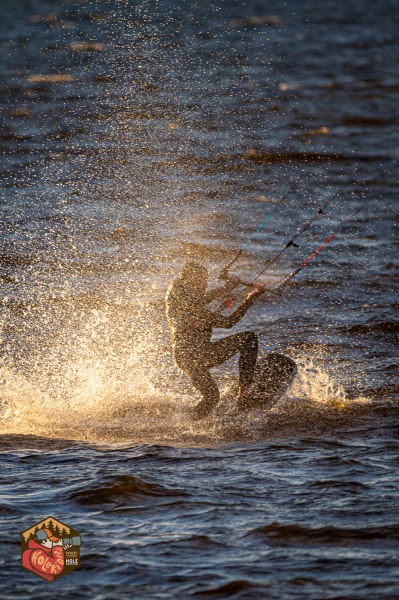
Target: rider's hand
<point x="257" y="290"/>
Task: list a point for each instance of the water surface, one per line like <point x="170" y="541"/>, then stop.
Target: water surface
<point x="135" y="136"/>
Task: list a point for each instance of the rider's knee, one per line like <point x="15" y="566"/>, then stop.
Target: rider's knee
<point x="251" y="338"/>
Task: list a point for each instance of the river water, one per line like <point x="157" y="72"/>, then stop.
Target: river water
<point x="135" y="136"/>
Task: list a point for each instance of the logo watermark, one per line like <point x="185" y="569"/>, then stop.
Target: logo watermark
<point x="50" y="549"/>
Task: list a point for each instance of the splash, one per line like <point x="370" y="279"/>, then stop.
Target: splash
<point x="315" y="384"/>
<point x="100" y="404"/>
<point x="91" y="385"/>
<point x="110" y="399"/>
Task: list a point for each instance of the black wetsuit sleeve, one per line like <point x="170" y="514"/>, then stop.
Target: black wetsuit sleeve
<point x="233" y="319"/>
<point x="215" y="294"/>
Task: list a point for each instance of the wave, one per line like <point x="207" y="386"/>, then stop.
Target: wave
<point x="281" y="534"/>
<point x="192" y="542"/>
<point x="123" y="488"/>
<point x="384" y="390"/>
<point x="365" y="120"/>
<point x="231" y="588"/>
<point x="263" y="156"/>
<point x="134" y="399"/>
<point x="380" y="327"/>
<point x="18" y="440"/>
<point x="224" y="163"/>
<point x="8" y="509"/>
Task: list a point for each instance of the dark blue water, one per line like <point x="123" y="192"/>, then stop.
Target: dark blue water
<point x="134" y="136"/>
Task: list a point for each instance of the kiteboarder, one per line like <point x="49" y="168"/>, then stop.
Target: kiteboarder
<point x="191" y="325"/>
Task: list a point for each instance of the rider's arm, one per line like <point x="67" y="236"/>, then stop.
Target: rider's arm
<point x="231" y="320"/>
<point x="215" y="294"/>
<point x="219" y="292"/>
<point x="227" y="322"/>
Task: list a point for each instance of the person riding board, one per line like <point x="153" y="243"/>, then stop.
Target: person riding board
<point x="191" y="325"/>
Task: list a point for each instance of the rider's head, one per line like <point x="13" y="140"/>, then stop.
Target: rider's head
<point x="46" y="538"/>
<point x="195" y="275"/>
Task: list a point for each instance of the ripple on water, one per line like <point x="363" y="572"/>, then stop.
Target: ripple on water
<point x="278" y="533"/>
<point x="121" y="490"/>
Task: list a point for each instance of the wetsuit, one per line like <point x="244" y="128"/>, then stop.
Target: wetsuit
<point x="191" y="326"/>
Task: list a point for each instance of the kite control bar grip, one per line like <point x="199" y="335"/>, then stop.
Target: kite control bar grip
<point x="246" y="283"/>
<point x="224" y="274"/>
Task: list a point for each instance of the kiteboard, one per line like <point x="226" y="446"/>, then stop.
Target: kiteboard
<point x="274" y="374"/>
